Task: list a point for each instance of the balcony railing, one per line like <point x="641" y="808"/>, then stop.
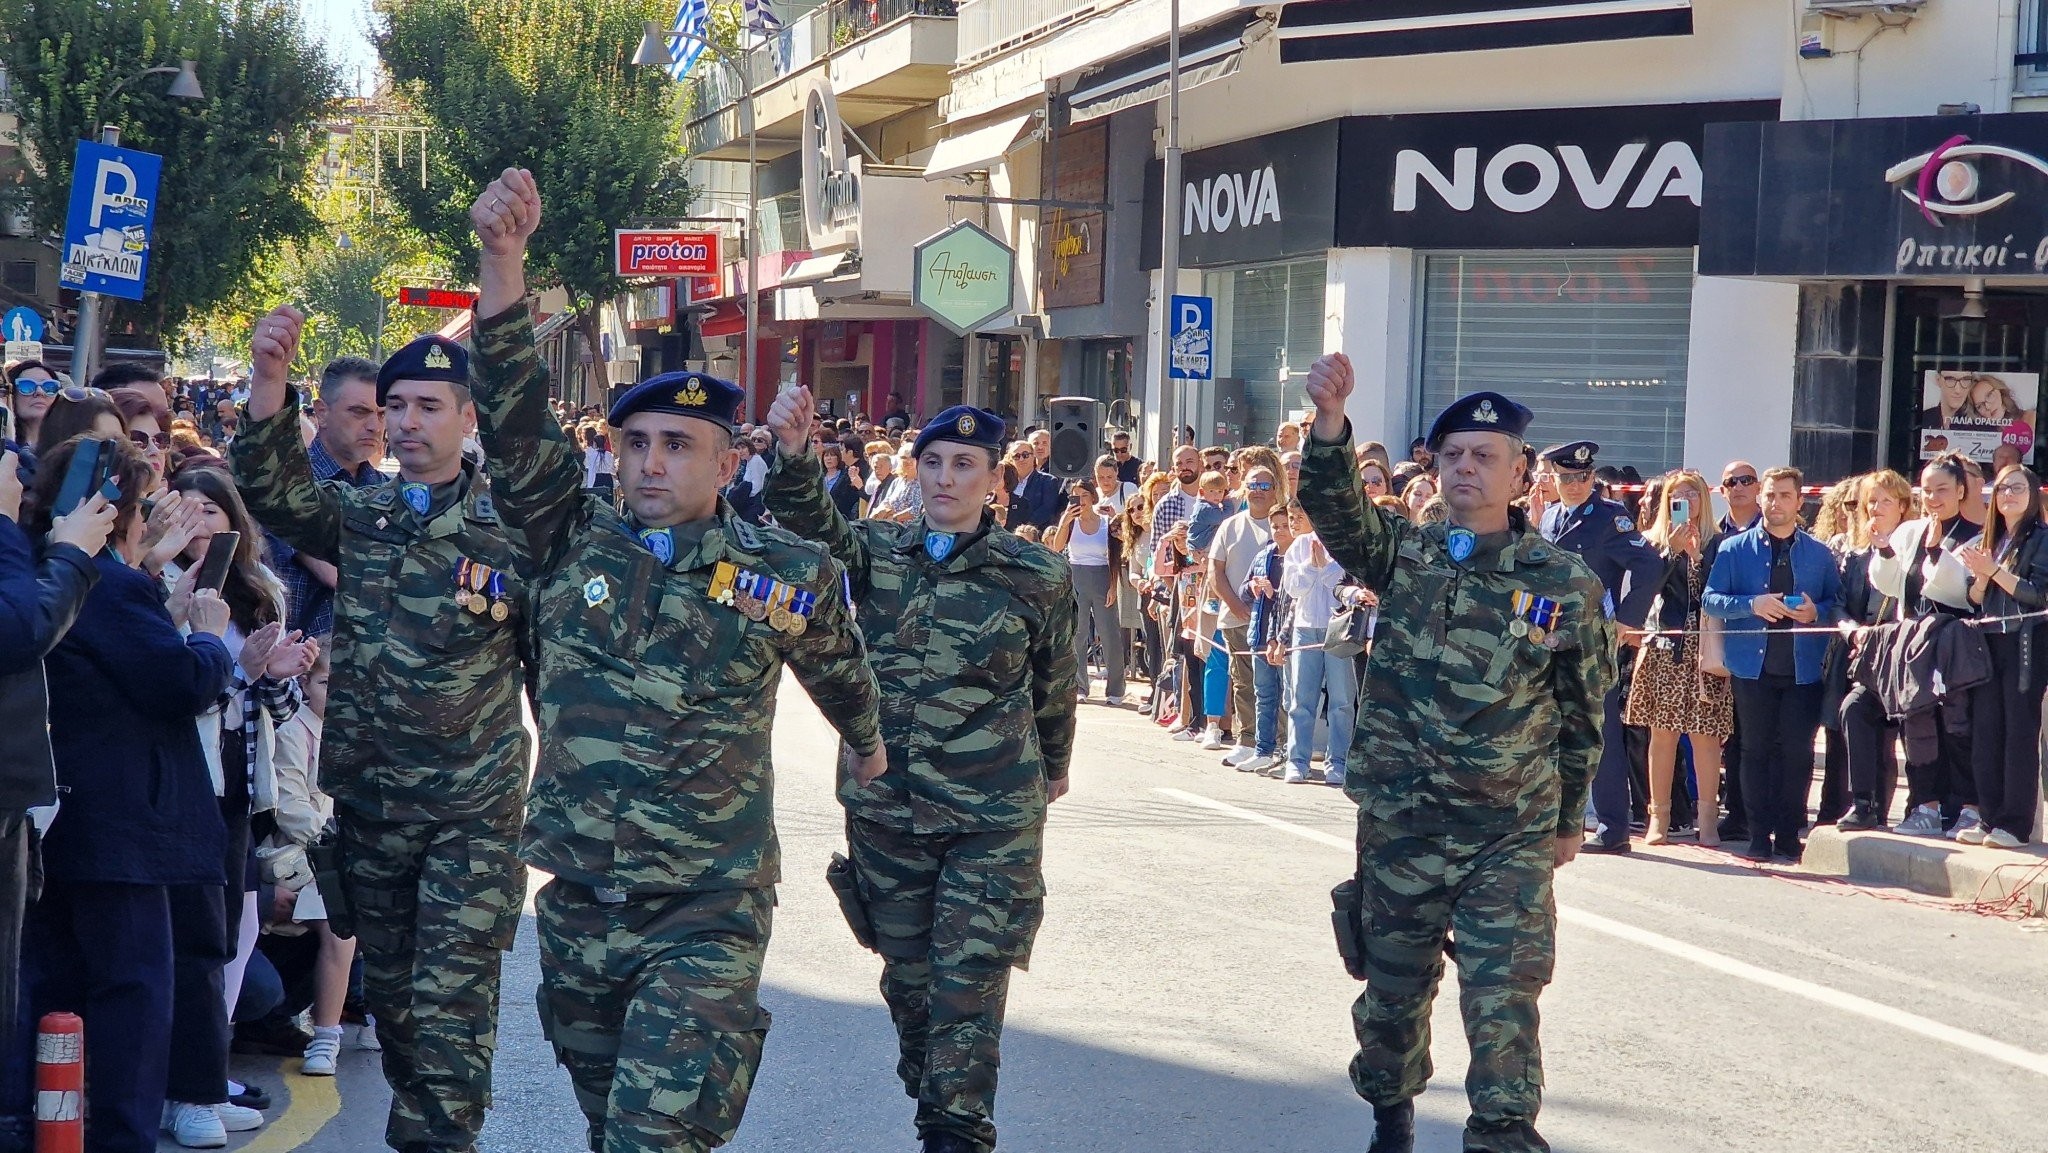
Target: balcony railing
<point x="990" y="25"/>
<point x="827" y="28"/>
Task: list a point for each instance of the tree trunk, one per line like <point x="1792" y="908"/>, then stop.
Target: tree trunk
<point x="593" y="339"/>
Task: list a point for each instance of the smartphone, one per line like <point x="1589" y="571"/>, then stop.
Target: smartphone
<point x="1681" y="511"/>
<point x="220" y="554"/>
<point x="1794" y="601"/>
<point x="84" y="475"/>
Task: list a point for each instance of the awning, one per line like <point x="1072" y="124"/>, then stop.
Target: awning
<point x="977" y="149"/>
<point x="1357" y="29"/>
<point x="812" y="269"/>
<point x="1142" y="77"/>
<point x="724" y="318"/>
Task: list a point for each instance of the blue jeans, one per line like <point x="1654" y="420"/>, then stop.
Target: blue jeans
<point x="1265" y="704"/>
<point x="1314" y="674"/>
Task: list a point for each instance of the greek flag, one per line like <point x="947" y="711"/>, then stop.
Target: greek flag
<point x="692" y="35"/>
<point x="761" y="19"/>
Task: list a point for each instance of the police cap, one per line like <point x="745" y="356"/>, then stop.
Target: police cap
<point x="1480" y="412"/>
<point x="964" y="424"/>
<point x="1575" y="456"/>
<point x="428" y="358"/>
<point x="684" y="394"/>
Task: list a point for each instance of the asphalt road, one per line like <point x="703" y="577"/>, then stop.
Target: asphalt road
<point x="1186" y="996"/>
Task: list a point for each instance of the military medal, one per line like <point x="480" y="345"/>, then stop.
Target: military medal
<point x="462" y="583"/>
<point x="1536" y="634"/>
<point x="1535" y="615"/>
<point x="1518" y="627"/>
<point x="418" y="497"/>
<point x="722" y="577"/>
<point x="800" y="608"/>
<point x="499" y="609"/>
<point x="1461" y="542"/>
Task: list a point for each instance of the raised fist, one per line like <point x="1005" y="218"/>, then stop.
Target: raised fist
<point x="790" y="420"/>
<point x="275" y="345"/>
<point x="506" y="213"/>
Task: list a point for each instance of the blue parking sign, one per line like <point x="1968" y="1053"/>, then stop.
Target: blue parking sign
<point x="107" y="231"/>
<point x="1191" y="334"/>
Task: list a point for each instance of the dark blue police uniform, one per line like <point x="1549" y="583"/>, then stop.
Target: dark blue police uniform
<point x="1604" y="536"/>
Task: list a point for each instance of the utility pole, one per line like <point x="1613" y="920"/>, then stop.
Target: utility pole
<point x="1172" y="399"/>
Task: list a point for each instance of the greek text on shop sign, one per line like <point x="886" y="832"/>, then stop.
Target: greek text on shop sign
<point x="659" y="252"/>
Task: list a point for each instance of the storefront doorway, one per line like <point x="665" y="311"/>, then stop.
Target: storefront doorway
<point x="1966" y="375"/>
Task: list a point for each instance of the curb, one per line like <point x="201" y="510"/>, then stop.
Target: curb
<point x="1938" y="868"/>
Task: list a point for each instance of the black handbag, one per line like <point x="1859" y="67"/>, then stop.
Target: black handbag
<point x="1348" y="632"/>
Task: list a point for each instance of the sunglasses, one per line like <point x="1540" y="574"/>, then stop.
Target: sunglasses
<point x="144" y="440"/>
<point x="1574" y="477"/>
<point x="1259" y="486"/>
<point x="1375" y="482"/>
<point x="1738" y="482"/>
<point x="77" y="392"/>
<point x="26" y="387"/>
<point x="1121" y="450"/>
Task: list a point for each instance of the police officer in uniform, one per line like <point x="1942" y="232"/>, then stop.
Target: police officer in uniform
<point x="1478" y="733"/>
<point x="971" y="632"/>
<point x="425" y="755"/>
<point x="1601" y="532"/>
<point x="662" y="632"/>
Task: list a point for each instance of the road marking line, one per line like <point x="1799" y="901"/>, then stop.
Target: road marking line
<point x="1933" y="1030"/>
<point x="314" y="1102"/>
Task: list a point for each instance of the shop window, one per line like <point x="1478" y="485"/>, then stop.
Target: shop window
<point x="1269" y="330"/>
<point x="1594" y="342"/>
<point x="2030" y="66"/>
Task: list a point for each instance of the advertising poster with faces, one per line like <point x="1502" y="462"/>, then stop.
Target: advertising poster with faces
<point x="1976" y="413"/>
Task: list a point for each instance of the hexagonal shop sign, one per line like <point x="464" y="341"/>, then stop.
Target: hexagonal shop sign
<point x="963" y="277"/>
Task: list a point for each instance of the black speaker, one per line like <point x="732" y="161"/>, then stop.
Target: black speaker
<point x="1076" y="439"/>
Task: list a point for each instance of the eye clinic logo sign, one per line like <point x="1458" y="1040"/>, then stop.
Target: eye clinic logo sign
<point x="1946" y="181"/>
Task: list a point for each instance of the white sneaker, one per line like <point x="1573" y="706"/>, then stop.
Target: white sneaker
<point x="1969" y="829"/>
<point x="366" y="1036"/>
<point x="1295" y="776"/>
<point x="1187" y="735"/>
<point x="1264" y="765"/>
<point x="1212" y="740"/>
<point x="320" y="1055"/>
<point x="237" y="1118"/>
<point x="1924" y="821"/>
<point x="194" y="1126"/>
<point x="2000" y="839"/>
<point x="1115" y="700"/>
<point x="1239" y="756"/>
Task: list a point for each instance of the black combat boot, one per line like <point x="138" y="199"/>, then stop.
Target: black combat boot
<point x="1393" y="1128"/>
<point x="1862" y="815"/>
<point x="948" y="1143"/>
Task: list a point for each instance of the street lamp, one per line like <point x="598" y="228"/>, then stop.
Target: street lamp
<point x="653" y="50"/>
<point x="85" y="339"/>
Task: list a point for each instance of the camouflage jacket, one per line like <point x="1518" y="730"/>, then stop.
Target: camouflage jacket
<point x="423" y="704"/>
<point x="975" y="654"/>
<point x="655" y="700"/>
<point x="1464" y="727"/>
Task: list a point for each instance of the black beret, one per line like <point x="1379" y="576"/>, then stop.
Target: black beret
<point x="963" y="423"/>
<point x="1480" y="412"/>
<point x="685" y="394"/>
<point x="428" y="358"/>
<point x="1576" y="455"/>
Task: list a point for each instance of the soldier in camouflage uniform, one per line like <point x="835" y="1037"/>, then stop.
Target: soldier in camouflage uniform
<point x="425" y="755"/>
<point x="971" y="632"/>
<point x="1477" y="735"/>
<point x="663" y="632"/>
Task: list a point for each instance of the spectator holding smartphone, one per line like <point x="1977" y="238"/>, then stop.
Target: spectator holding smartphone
<point x="138" y="816"/>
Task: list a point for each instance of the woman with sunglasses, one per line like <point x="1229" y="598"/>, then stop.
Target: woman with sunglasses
<point x="148" y="421"/>
<point x="31" y="386"/>
<point x="76" y="411"/>
<point x="2008" y="579"/>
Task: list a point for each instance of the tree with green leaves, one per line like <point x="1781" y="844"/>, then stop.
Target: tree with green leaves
<point x="547" y="85"/>
<point x="235" y="163"/>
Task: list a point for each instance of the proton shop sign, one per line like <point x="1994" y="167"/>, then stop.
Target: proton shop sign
<point x="107" y="230"/>
<point x="1194" y="339"/>
<point x="643" y="252"/>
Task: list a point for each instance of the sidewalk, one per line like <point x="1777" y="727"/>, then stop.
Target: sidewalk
<point x="1938" y="868"/>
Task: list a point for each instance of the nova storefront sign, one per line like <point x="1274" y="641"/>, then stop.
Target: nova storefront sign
<point x="963" y="277"/>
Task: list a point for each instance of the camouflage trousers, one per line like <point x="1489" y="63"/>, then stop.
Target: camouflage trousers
<point x="951" y="915"/>
<point x="653" y="1006"/>
<point x="1496" y="896"/>
<point x="436" y="904"/>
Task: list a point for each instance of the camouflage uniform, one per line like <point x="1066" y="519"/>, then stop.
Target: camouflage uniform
<point x="426" y="760"/>
<point x="1473" y="752"/>
<point x="652" y="806"/>
<point x="976" y="655"/>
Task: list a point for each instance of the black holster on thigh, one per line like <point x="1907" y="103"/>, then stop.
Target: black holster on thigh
<point x="846" y="887"/>
<point x="324" y="855"/>
<point x="1347" y="918"/>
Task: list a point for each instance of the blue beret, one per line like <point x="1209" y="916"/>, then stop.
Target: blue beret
<point x="685" y="394"/>
<point x="428" y="358"/>
<point x="1577" y="456"/>
<point x="1480" y="412"/>
<point x="963" y="423"/>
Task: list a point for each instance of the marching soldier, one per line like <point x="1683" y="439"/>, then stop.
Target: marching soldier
<point x="1478" y="732"/>
<point x="1631" y="570"/>
<point x="425" y="756"/>
<point x="662" y="635"/>
<point x="971" y="633"/>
